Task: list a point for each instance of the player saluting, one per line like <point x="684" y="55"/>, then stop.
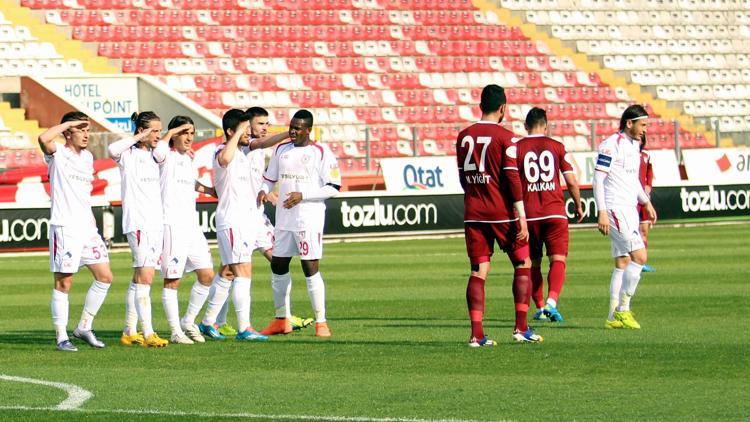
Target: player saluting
<point x="74" y="239"/>
<point x="185" y="247"/>
<point x="308" y="174"/>
<point x="141" y="223"/>
<point x="540" y="161"/>
<point x="617" y="191"/>
<point x="255" y="151"/>
<point x="236" y="223"/>
<point x="492" y="193"/>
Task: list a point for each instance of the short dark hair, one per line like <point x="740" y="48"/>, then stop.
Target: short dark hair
<point x="232" y="119"/>
<point x="493" y="96"/>
<point x="254" y="112"/>
<point x="143" y="119"/>
<point x="304" y="115"/>
<point x="633" y="112"/>
<point x="178" y="121"/>
<point x="72" y="116"/>
<point x="535" y="117"/>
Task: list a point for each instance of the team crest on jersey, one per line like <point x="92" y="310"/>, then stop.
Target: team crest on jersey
<point x="335" y="173"/>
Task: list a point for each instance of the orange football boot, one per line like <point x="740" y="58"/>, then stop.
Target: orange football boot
<point x="277" y="326"/>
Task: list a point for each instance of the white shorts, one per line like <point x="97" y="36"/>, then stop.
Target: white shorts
<point x="69" y="248"/>
<point x="623" y="231"/>
<point x="236" y="244"/>
<point x="185" y="250"/>
<point x="146" y="248"/>
<point x="264" y="236"/>
<point x="308" y="245"/>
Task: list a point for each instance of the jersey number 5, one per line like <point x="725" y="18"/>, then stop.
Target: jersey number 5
<point x="468" y="142"/>
<point x="542" y="166"/>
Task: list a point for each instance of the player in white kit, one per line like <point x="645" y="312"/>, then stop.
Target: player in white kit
<point x="73" y="236"/>
<point x="617" y="191"/>
<point x="308" y="174"/>
<point x="235" y="227"/>
<point x="185" y="246"/>
<point x="259" y="141"/>
<point x="141" y="223"/>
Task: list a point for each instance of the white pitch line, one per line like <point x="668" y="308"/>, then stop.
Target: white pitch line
<point x="234" y="415"/>
<point x="76" y="395"/>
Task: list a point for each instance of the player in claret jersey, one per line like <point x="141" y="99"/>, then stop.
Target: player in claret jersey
<point x="540" y="161"/>
<point x="617" y="191"/>
<point x="493" y="212"/>
<point x="646" y="175"/>
<point x="73" y="236"/>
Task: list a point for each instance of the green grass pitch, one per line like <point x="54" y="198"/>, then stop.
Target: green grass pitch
<point x="400" y="326"/>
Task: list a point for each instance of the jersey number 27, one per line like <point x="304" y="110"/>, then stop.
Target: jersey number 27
<point x="468" y="142"/>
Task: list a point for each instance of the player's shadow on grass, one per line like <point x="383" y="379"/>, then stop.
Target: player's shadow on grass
<point x="47" y="337"/>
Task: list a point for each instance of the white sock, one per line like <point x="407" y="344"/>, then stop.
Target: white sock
<point x="131" y="314"/>
<point x="94" y="299"/>
<point x="60" y="309"/>
<point x="629" y="283"/>
<point x="552" y="303"/>
<point x="143" y="307"/>
<point x="317" y="291"/>
<point x="221" y="319"/>
<point x="281" y="284"/>
<point x="217" y="295"/>
<point x="615" y="285"/>
<point x="171" y="309"/>
<point x="198" y="296"/>
<point x="241" y="299"/>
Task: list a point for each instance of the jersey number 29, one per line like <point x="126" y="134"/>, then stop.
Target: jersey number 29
<point x="539" y="166"/>
<point x="468" y="142"/>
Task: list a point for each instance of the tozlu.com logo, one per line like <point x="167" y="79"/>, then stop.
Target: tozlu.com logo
<point x="27" y="230"/>
<point x="379" y="215"/>
<point x="714" y="199"/>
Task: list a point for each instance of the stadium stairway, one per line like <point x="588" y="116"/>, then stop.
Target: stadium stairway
<point x="608" y="76"/>
<point x="64" y="46"/>
<point x="31" y="46"/>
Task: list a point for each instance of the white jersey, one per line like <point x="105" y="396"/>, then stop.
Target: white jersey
<point x="70" y="177"/>
<point x="620" y="157"/>
<point x="301" y="169"/>
<point x="257" y="158"/>
<point x="141" y="196"/>
<point x="177" y="176"/>
<point x="237" y="205"/>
